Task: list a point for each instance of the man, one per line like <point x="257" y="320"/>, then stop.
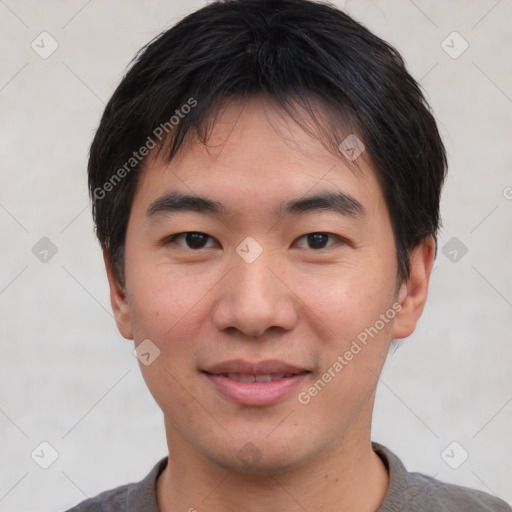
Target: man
<point x="266" y="184"/>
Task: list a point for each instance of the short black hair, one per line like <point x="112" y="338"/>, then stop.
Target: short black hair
<point x="299" y="53"/>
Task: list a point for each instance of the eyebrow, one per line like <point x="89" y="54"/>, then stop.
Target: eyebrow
<point x="337" y="202"/>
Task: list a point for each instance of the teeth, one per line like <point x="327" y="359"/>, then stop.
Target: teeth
<point x="263" y="378"/>
<point x="241" y="377"/>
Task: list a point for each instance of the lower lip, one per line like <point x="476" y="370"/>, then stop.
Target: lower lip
<point x="255" y="394"/>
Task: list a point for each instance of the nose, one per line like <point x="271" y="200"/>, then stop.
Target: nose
<point x="254" y="298"/>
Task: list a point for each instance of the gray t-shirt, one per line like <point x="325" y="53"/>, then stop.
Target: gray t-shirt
<point x="407" y="492"/>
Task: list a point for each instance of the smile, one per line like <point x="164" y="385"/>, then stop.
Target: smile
<point x="254" y="390"/>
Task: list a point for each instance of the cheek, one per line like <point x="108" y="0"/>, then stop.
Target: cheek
<point x="170" y="310"/>
<point x="166" y="305"/>
<point x="348" y="298"/>
<point x="350" y="302"/>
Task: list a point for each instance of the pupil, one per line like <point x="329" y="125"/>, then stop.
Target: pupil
<point x="196" y="240"/>
<point x="317" y="240"/>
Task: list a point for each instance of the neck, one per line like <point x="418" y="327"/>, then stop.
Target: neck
<point x="347" y="477"/>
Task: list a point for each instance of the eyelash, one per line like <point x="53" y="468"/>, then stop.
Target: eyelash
<point x="172" y="239"/>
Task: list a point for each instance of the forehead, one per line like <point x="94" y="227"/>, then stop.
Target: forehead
<point x="256" y="155"/>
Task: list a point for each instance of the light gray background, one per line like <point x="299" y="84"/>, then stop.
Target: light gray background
<point x="67" y="376"/>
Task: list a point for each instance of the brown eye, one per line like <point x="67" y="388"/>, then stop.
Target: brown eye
<point x="192" y="239"/>
<point x="317" y="240"/>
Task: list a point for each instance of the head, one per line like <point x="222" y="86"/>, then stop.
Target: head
<point x="289" y="123"/>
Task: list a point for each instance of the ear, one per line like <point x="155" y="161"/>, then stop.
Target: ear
<point x="118" y="301"/>
<point x="413" y="292"/>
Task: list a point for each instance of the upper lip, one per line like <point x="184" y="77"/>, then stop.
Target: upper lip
<point x="265" y="367"/>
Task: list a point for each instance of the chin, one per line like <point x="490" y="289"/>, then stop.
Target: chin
<point x="258" y="458"/>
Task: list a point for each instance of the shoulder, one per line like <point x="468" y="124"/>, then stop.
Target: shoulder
<point x="416" y="491"/>
<point x="113" y="500"/>
<point x="133" y="497"/>
<point x="442" y="496"/>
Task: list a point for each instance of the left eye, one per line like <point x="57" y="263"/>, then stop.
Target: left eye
<point x="318" y="240"/>
<point x="192" y="239"/>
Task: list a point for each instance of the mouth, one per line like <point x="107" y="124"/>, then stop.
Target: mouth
<point x="254" y="384"/>
<point x="248" y="377"/>
<point x="268" y="367"/>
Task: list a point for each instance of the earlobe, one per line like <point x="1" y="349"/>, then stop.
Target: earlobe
<point x="118" y="300"/>
<point x="413" y="292"/>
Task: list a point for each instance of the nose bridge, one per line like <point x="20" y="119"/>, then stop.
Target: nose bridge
<point x="254" y="280"/>
<point x="253" y="298"/>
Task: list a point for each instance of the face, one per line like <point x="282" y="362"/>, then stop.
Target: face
<point x="271" y="294"/>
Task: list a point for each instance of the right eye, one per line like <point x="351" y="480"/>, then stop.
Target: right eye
<point x="194" y="240"/>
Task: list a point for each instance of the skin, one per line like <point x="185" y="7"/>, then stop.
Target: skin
<point x="295" y="302"/>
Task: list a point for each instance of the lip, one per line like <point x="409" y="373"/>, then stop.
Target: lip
<point x="254" y="394"/>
